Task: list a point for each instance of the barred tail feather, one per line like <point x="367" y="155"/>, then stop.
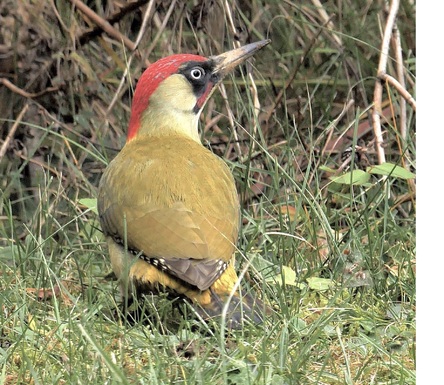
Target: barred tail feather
<point x="237" y="309"/>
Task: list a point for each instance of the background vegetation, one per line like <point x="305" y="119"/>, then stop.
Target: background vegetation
<point x="334" y="259"/>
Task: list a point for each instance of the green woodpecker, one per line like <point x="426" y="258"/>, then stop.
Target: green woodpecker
<point x="167" y="205"/>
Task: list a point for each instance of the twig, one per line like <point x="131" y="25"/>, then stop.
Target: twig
<point x="114" y="18"/>
<point x="281" y="93"/>
<point x="336" y="144"/>
<point x="24" y="93"/>
<point x="401" y="87"/>
<point x="59" y="18"/>
<point x="333" y="124"/>
<point x="404" y="93"/>
<point x="384" y="77"/>
<point x="12" y="131"/>
<point x="162" y="27"/>
<point x="396" y="42"/>
<point x="336" y="40"/>
<point x="377" y="95"/>
<point x="103" y="24"/>
<point x="327" y="22"/>
<point x="254" y="93"/>
<point x="231" y="118"/>
<point x="130" y="59"/>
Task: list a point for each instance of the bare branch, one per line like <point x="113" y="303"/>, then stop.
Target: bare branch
<point x="114" y="18"/>
<point x="125" y="73"/>
<point x="24" y="93"/>
<point x="399" y="87"/>
<point x="377" y="95"/>
<point x="12" y="131"/>
<point x="103" y="24"/>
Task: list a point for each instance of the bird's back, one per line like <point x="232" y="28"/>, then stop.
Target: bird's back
<point x="173" y="200"/>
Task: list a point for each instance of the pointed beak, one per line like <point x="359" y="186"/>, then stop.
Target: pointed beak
<point x="226" y="62"/>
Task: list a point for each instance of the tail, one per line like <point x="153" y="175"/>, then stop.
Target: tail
<point x="236" y="309"/>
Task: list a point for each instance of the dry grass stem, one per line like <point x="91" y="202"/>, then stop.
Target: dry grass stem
<point x="142" y="30"/>
<point x="161" y="28"/>
<point x="399" y="62"/>
<point x="12" y="131"/>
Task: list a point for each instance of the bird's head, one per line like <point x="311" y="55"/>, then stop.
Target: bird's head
<point x="172" y="92"/>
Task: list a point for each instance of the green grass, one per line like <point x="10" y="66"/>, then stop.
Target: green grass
<point x="335" y="262"/>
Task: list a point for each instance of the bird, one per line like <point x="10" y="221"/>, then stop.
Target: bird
<point x="168" y="206"/>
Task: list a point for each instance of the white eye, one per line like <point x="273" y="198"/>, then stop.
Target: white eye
<point x="197" y="73"/>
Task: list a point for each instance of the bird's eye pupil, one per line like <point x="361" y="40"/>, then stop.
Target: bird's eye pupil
<point x="196" y="73"/>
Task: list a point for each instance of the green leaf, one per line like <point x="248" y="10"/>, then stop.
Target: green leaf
<point x="326" y="168"/>
<point x="319" y="284"/>
<point x="90" y="203"/>
<point x="9" y="253"/>
<point x="391" y="169"/>
<point x="355" y="177"/>
<point x="287" y="276"/>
